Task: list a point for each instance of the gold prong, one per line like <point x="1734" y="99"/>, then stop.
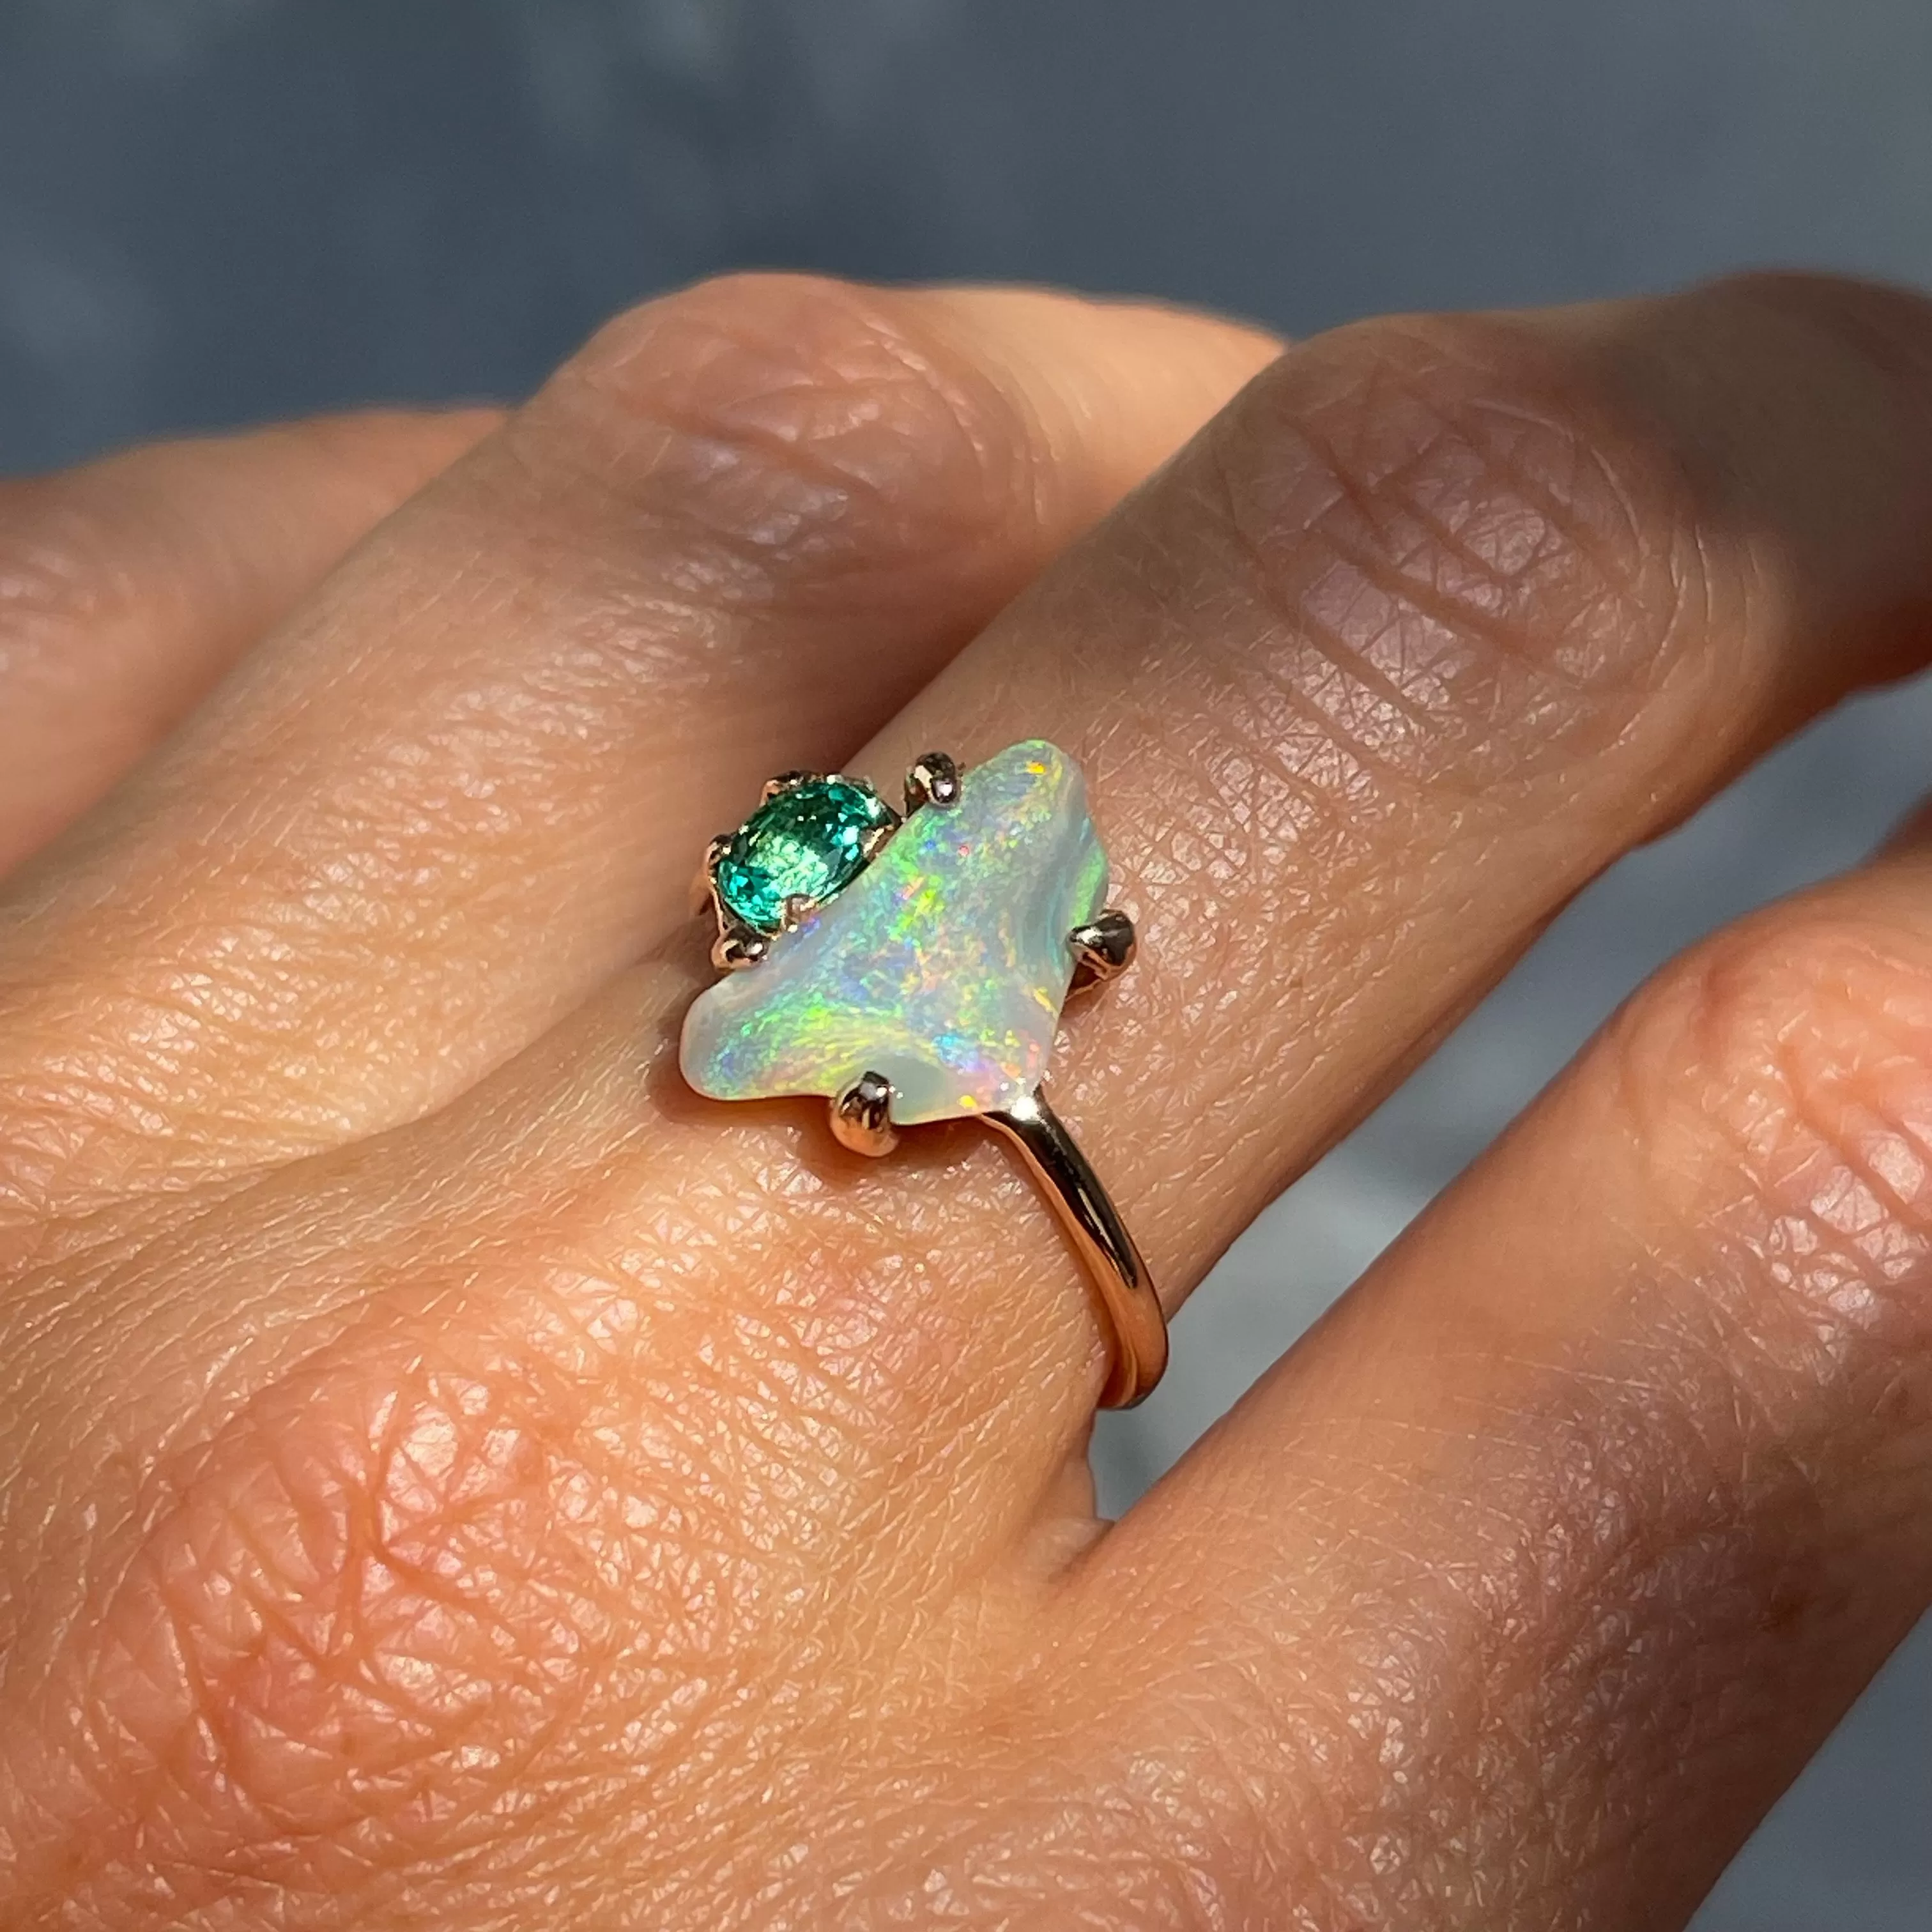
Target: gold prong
<point x="933" y="778"/>
<point x="738" y="946"/>
<point x="785" y="781"/>
<point x="1103" y="948"/>
<point x="704" y="884"/>
<point x="862" y="1116"/>
<point x="796" y="911"/>
<point x="876" y="841"/>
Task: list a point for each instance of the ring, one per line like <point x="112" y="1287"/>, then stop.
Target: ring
<point x="911" y="966"/>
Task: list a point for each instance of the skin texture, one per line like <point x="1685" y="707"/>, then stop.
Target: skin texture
<point x="451" y="1476"/>
<point x="127" y="586"/>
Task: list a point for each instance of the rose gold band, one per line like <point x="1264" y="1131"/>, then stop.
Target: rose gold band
<point x="1130" y="1311"/>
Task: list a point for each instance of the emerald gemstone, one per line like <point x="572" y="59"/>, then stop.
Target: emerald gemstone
<point x="806" y="842"/>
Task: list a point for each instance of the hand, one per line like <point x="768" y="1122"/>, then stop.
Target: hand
<point x="453" y="1477"/>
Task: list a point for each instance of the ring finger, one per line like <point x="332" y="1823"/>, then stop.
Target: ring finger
<point x="1436" y="620"/>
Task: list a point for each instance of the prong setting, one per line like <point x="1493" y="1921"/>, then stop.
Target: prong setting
<point x="932" y="779"/>
<point x="744" y="935"/>
<point x="1103" y="948"/>
<point x="704" y="886"/>
<point x="862" y="1116"/>
<point x="737" y="947"/>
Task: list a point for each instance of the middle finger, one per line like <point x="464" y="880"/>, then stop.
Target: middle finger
<point x="461" y="786"/>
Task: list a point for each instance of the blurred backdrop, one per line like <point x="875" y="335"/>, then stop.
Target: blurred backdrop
<point x="213" y="212"/>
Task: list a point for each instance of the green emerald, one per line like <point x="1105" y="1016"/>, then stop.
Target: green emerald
<point x="805" y="842"/>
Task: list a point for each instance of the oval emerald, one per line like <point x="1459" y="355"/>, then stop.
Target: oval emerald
<point x="806" y="842"/>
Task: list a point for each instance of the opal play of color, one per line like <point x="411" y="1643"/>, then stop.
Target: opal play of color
<point x="942" y="965"/>
<point x="807" y="841"/>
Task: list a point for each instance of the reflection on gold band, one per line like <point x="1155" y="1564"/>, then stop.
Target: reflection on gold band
<point x="1130" y="1311"/>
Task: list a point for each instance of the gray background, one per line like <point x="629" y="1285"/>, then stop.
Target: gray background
<point x="214" y="211"/>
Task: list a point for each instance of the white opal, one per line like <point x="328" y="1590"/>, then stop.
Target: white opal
<point x="943" y="966"/>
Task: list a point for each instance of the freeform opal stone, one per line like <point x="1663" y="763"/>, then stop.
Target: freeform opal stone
<point x="942" y="965"/>
<point x="806" y="842"/>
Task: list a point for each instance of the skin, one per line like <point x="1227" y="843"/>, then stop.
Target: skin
<point x="450" y="1476"/>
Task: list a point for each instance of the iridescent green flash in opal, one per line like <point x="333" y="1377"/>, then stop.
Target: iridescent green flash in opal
<point x="806" y="842"/>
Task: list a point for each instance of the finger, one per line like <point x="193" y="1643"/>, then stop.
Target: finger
<point x="1434" y="621"/>
<point x="1550" y="1558"/>
<point x="466" y="782"/>
<point x="127" y="585"/>
<point x="1441" y="616"/>
<point x="1343" y="772"/>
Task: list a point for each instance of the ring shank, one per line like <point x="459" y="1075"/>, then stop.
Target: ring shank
<point x="1129" y="1308"/>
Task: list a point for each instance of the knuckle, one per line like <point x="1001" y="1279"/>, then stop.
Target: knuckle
<point x="1780" y="1083"/>
<point x="347" y="1637"/>
<point x="797" y="422"/>
<point x="1483" y="565"/>
<point x="423" y="1577"/>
